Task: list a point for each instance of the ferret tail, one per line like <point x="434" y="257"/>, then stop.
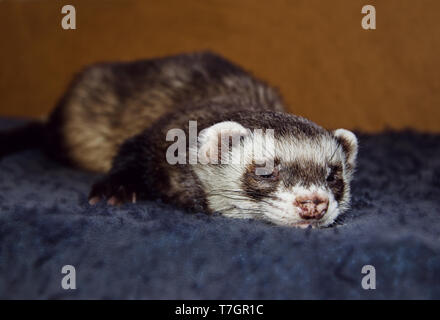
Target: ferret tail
<point x="30" y="135"/>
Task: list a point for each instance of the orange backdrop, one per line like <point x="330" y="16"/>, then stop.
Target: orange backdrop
<point x="328" y="68"/>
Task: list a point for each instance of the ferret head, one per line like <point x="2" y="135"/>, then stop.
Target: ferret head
<point x="296" y="175"/>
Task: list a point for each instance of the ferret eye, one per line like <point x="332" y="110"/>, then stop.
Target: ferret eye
<point x="331" y="177"/>
<point x="267" y="174"/>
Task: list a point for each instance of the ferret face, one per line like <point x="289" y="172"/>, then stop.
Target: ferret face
<point x="297" y="178"/>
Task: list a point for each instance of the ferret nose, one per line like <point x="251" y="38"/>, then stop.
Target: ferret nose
<point x="311" y="206"/>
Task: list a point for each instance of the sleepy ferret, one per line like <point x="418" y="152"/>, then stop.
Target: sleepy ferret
<point x="116" y="118"/>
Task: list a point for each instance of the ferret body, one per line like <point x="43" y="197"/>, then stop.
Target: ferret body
<point x="116" y="118"/>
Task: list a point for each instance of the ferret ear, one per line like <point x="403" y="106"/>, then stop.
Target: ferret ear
<point x="349" y="144"/>
<point x="215" y="141"/>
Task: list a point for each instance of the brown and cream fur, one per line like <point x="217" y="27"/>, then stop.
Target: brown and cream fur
<point x="114" y="118"/>
<point x="110" y="102"/>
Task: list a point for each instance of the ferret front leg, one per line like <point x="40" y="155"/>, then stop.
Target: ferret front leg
<point x="113" y="189"/>
<point x="125" y="181"/>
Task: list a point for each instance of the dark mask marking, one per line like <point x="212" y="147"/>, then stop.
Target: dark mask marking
<point x="335" y="182"/>
<point x="259" y="187"/>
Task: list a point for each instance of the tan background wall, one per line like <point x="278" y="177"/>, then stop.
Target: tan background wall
<point x="328" y="68"/>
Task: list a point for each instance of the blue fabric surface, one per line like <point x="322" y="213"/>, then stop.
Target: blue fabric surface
<point x="151" y="250"/>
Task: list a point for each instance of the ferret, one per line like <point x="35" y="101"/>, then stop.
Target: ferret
<point x="116" y="119"/>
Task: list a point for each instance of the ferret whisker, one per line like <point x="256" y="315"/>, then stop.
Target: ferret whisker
<point x="241" y="192"/>
<point x="338" y="145"/>
<point x="247" y="210"/>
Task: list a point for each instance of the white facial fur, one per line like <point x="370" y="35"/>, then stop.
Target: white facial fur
<point x="225" y="185"/>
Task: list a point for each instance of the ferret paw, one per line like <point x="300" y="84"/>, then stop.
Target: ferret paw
<point x="114" y="192"/>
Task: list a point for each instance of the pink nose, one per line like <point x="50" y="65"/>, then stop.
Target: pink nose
<point x="311" y="206"/>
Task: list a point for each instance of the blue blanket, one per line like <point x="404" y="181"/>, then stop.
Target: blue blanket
<point x="151" y="250"/>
